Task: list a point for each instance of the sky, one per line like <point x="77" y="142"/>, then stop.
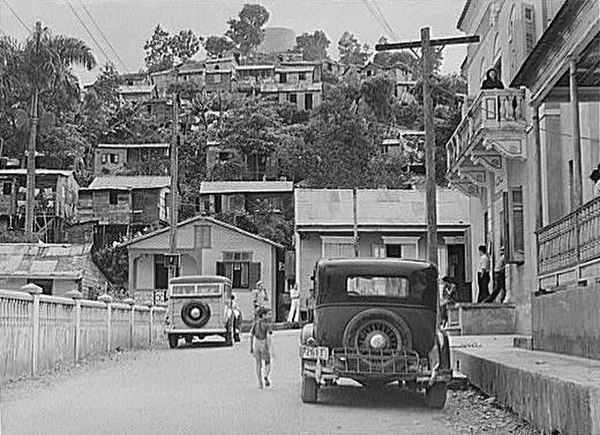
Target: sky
<point x="126" y="24"/>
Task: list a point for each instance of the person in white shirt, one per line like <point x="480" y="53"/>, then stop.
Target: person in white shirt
<point x="294" y="315"/>
<point x="483" y="274"/>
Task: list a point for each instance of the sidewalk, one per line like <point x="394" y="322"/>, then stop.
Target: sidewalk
<point x="551" y="391"/>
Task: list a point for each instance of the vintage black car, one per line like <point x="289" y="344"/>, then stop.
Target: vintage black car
<point x="376" y="322"/>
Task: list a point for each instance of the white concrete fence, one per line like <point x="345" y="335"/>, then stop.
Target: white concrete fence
<point x="39" y="333"/>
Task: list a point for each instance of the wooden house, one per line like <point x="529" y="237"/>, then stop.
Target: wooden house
<point x="56" y="193"/>
<point x="112" y="159"/>
<point x="124" y="204"/>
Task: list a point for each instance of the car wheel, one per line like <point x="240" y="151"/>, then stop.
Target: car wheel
<point x="435" y="396"/>
<point x="310" y="389"/>
<point x="377" y="330"/>
<point x="173" y="340"/>
<point x="195" y="314"/>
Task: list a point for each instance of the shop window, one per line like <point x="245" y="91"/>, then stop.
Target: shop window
<point x="237" y="266"/>
<point x="337" y="247"/>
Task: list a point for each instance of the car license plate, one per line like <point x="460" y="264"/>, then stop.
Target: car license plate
<point x="312" y="352"/>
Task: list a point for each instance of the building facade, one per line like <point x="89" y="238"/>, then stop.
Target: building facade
<point x="112" y="159"/>
<point x="513" y="149"/>
<point x="56" y="196"/>
<point x="246" y="196"/>
<point x="387" y="223"/>
<point x="209" y="247"/>
<point x="124" y="204"/>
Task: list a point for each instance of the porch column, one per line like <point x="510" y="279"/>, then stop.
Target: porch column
<point x="537" y="176"/>
<point x="575" y="131"/>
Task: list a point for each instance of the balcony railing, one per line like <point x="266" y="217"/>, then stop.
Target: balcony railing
<point x="493" y="110"/>
<point x="570" y="242"/>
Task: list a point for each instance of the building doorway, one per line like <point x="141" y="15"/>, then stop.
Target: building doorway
<point x="161" y="273"/>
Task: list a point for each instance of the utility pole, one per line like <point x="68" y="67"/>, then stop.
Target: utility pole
<point x="426" y="44"/>
<point x="174" y="258"/>
<point x="30" y="204"/>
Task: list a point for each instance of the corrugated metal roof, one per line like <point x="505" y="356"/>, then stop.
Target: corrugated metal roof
<point x="377" y="207"/>
<point x="133" y="145"/>
<point x="125" y="182"/>
<point x="208" y="187"/>
<point x="23" y="171"/>
<point x="254" y="67"/>
<point x="287" y="69"/>
<point x="136" y="89"/>
<point x="40" y="260"/>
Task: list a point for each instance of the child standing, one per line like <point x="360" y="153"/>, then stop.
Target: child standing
<point x="260" y="345"/>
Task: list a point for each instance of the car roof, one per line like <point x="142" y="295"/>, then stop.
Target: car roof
<point x="362" y="265"/>
<point x="200" y="279"/>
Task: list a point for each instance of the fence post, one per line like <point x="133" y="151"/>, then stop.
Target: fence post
<point x="76" y="296"/>
<point x="131" y="303"/>
<point x="150" y="322"/>
<point x="35" y="291"/>
<point x="107" y="299"/>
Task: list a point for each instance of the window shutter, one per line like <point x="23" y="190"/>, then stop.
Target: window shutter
<point x="517" y="226"/>
<point x="220" y="269"/>
<point x="528" y="20"/>
<point x="254" y="274"/>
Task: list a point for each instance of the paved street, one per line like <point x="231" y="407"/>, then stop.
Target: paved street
<point x="207" y="390"/>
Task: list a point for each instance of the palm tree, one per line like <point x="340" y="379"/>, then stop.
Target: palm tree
<point x="46" y="67"/>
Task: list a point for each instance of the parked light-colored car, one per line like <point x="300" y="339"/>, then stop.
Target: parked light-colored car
<point x="199" y="306"/>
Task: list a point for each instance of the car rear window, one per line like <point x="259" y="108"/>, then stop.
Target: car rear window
<point x="197" y="289"/>
<point x="390" y="286"/>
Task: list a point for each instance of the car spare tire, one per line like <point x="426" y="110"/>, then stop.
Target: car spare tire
<point x="375" y="334"/>
<point x="195" y="314"/>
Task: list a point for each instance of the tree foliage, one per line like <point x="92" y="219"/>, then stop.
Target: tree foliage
<point x="163" y="50"/>
<point x="246" y="31"/>
<point x="313" y="46"/>
<point x="218" y="45"/>
<point x="352" y="52"/>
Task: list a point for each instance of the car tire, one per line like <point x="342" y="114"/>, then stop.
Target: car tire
<point x="202" y="317"/>
<point x="435" y="396"/>
<point x="173" y="341"/>
<point x="374" y="315"/>
<point x="310" y="389"/>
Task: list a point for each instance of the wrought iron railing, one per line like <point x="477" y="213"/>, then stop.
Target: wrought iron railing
<point x="570" y="241"/>
<point x="493" y="109"/>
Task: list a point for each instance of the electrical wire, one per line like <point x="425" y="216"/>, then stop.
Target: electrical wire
<point x="387" y="24"/>
<point x="377" y="18"/>
<point x="95" y="23"/>
<point x="17" y="16"/>
<point x="89" y="32"/>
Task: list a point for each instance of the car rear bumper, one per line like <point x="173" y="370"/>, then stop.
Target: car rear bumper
<point x="377" y="366"/>
<point x="199" y="331"/>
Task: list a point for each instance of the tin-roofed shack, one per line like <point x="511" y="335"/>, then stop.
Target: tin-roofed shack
<point x="57" y="269"/>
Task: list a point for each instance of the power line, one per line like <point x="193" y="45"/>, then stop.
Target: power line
<point x="103" y="35"/>
<point x="387" y="24"/>
<point x="88" y="32"/>
<point x="377" y="18"/>
<point x="17" y="16"/>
